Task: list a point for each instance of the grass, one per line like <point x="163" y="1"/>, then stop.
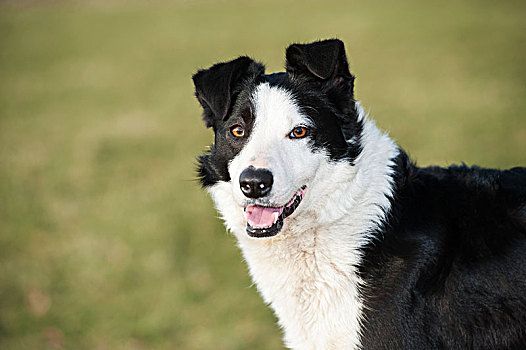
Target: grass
<point x="106" y="240"/>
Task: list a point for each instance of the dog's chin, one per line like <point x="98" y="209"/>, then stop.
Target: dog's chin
<point x="278" y="213"/>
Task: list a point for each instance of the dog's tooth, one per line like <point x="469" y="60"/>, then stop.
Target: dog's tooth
<point x="276" y="215"/>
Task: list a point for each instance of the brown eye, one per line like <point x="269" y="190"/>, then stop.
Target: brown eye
<point x="237" y="131"/>
<point x="299" y="132"/>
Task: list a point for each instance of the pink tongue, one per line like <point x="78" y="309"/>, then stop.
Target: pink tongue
<point x="261" y="216"/>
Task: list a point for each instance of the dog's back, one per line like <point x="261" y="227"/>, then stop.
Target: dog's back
<point x="449" y="271"/>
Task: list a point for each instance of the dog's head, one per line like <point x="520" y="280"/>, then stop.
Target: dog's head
<point x="274" y="132"/>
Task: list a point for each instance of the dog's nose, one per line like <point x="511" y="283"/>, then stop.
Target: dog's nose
<point x="255" y="183"/>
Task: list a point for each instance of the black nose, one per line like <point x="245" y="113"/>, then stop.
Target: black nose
<point x="255" y="183"/>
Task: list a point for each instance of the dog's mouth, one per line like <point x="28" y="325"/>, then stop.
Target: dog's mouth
<point x="268" y="221"/>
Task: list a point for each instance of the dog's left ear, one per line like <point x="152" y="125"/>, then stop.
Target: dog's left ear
<point x="323" y="59"/>
<point x="323" y="63"/>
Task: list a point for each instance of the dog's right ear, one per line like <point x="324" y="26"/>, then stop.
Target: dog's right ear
<point x="216" y="87"/>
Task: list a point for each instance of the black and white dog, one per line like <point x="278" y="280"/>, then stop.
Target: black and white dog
<point x="352" y="245"/>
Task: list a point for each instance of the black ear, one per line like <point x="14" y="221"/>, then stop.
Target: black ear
<point x="216" y="87"/>
<point x="322" y="59"/>
<point x="324" y="64"/>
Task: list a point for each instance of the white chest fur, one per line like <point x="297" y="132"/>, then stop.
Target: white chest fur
<point x="310" y="283"/>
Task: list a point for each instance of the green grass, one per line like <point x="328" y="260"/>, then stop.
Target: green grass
<point x="106" y="240"/>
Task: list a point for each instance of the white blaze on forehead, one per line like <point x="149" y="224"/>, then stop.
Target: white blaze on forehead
<point x="276" y="114"/>
<point x="276" y="109"/>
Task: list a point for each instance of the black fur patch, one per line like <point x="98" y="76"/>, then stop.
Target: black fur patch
<point x="223" y="91"/>
<point x="448" y="270"/>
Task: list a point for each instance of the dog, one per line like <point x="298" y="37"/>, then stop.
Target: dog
<point x="351" y="244"/>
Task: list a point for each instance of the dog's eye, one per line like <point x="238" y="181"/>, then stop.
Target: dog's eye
<point x="299" y="132"/>
<point x="237" y="131"/>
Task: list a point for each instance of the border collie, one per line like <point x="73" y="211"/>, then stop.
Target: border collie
<point x="351" y="244"/>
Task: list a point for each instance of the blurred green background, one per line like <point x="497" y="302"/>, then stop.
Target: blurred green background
<point x="107" y="241"/>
